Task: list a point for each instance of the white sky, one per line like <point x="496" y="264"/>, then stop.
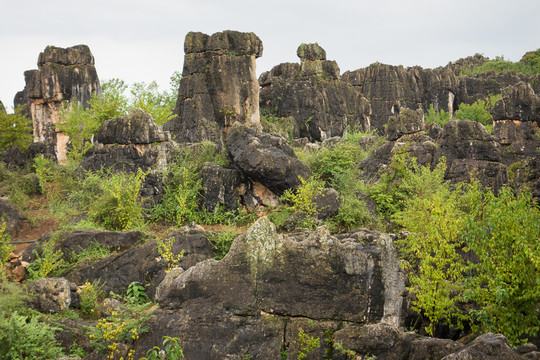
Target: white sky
<point x="142" y="40"/>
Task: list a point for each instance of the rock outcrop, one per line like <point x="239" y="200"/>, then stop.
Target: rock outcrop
<point x="313" y="94"/>
<point x="63" y="75"/>
<point x="469" y="149"/>
<point x="218" y="86"/>
<point x="266" y="159"/>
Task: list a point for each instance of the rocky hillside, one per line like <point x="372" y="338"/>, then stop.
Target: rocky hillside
<point x="382" y="213"/>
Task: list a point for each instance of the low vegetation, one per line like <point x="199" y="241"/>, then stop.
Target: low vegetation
<point x="530" y="64"/>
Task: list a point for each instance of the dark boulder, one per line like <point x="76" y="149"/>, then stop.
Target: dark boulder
<point x="266" y="159"/>
<point x="313" y="275"/>
<point x="221" y="187"/>
<point x="143" y="264"/>
<point x="487" y="346"/>
<point x="12" y="216"/>
<point x="50" y="294"/>
<point x="136" y="128"/>
<point x="405" y="123"/>
<point x="218" y="86"/>
<point x="327" y="203"/>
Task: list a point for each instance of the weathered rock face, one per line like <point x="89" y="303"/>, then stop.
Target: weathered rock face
<point x="518" y="102"/>
<point x="136" y="128"/>
<point x="468" y="148"/>
<point x="221" y="187"/>
<point x="218" y="87"/>
<point x="389" y="88"/>
<point x="12" y="216"/>
<point x="143" y="264"/>
<point x="406" y="122"/>
<point x="130" y="143"/>
<point x="62" y="75"/>
<point x="314" y="275"/>
<point x="266" y="159"/>
<point x="50" y="294"/>
<point x="313" y="93"/>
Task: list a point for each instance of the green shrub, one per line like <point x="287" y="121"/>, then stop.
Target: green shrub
<point x="118" y="206"/>
<point x="436" y="117"/>
<point x="171" y="350"/>
<point x="5" y="249"/>
<point x="136" y="293"/>
<point x="221" y="242"/>
<point x="23" y="337"/>
<point x="48" y="263"/>
<point x="181" y="198"/>
<point x="90" y="294"/>
<point x="478" y="111"/>
<point x="15" y="130"/>
<point x="302" y="200"/>
<point x="498" y="278"/>
<point x="530" y="65"/>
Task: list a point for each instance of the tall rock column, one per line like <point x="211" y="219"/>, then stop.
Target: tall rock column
<point x="62" y="75"/>
<point x="219" y="86"/>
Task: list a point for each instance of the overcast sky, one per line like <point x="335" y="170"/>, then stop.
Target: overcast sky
<point x="142" y="40"/>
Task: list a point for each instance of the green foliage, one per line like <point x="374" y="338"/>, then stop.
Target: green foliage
<point x="136" y="293"/>
<point x="48" y="262"/>
<point x="221" y="242"/>
<point x="504" y="232"/>
<point x="15" y="130"/>
<point x="56" y="181"/>
<point x="90" y="294"/>
<point x="180" y="203"/>
<point x="302" y="200"/>
<point x="24" y="337"/>
<point x="432" y="247"/>
<point x="436" y="117"/>
<point x="5" y="249"/>
<point x="148" y="98"/>
<point x="165" y="250"/>
<point x="95" y="251"/>
<point x="172" y="350"/>
<point x="118" y="206"/>
<point x="394" y="187"/>
<point x="478" y="111"/>
<point x="530" y="65"/>
<point x="307" y="344"/>
<point x="470" y="246"/>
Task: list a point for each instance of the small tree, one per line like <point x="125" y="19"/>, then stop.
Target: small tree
<point x="15" y="130"/>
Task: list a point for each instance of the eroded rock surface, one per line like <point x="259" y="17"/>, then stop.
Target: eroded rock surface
<point x="63" y="75"/>
<point x="219" y="86"/>
<point x="314" y="96"/>
<point x="266" y="159"/>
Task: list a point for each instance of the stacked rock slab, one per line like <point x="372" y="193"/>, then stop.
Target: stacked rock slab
<point x="313" y="93"/>
<point x="62" y="75"/>
<point x="218" y="86"/>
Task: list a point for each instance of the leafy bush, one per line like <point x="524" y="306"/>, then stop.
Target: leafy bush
<point x="470" y="246"/>
<point x="302" y="200"/>
<point x="180" y="203"/>
<point x="5" y="249"/>
<point x="529" y="65"/>
<point x="48" y="262"/>
<point x="118" y="206"/>
<point x="136" y="293"/>
<point x="171" y="350"/>
<point x="15" y="130"/>
<point x="433" y="117"/>
<point x="221" y="242"/>
<point x="24" y="337"/>
<point x="478" y="111"/>
<point x="90" y="294"/>
<point x="165" y="250"/>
